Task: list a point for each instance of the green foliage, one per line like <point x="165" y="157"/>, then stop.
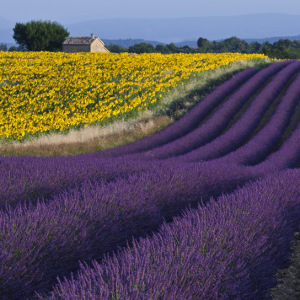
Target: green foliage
<point x="173" y="48"/>
<point x="3" y="47"/>
<point x="255" y="47"/>
<point x="116" y="48"/>
<point x="203" y="44"/>
<point x="40" y="35"/>
<point x="282" y="49"/>
<point x="163" y="49"/>
<point x="141" y="48"/>
<point x="232" y="44"/>
<point x="149" y="48"/>
<point x="19" y="48"/>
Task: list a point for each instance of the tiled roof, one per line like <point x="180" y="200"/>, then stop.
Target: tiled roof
<point x="80" y="40"/>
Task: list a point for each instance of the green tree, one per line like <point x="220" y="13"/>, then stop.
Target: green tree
<point x="255" y="47"/>
<point x="116" y="48"/>
<point x="3" y="47"/>
<point x="40" y="35"/>
<point x="234" y="44"/>
<point x="19" y="48"/>
<point x="266" y="48"/>
<point x="172" y="48"/>
<point x="204" y="45"/>
<point x="162" y="49"/>
<point x="185" y="49"/>
<point x="142" y="48"/>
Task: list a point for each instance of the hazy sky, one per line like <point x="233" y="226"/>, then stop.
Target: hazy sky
<point x="73" y="11"/>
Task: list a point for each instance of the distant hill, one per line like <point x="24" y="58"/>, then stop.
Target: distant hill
<point x="190" y="29"/>
<point x="129" y="42"/>
<point x="180" y="31"/>
<point x="186" y="43"/>
<point x="274" y="39"/>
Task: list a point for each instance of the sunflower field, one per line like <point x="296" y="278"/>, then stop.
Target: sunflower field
<point x="44" y="91"/>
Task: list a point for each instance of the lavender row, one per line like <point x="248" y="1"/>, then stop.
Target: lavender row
<point x="265" y="140"/>
<point x="40" y="242"/>
<point x="43" y="241"/>
<point x="216" y="123"/>
<point x="240" y="131"/>
<point x="27" y="178"/>
<point x="230" y="248"/>
<point x="85" y="222"/>
<point x="190" y="120"/>
<point x="288" y="156"/>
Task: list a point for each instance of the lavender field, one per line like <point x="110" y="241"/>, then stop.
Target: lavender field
<point x="203" y="209"/>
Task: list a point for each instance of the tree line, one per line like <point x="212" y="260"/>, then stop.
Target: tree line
<point x="283" y="49"/>
<point x="49" y="36"/>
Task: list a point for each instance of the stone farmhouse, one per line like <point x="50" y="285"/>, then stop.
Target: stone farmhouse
<point x="84" y="44"/>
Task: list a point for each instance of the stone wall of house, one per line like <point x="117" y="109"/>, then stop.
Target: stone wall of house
<point x="76" y="48"/>
<point x="97" y="46"/>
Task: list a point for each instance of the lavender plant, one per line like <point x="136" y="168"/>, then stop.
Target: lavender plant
<point x="41" y="241"/>
<point x="234" y="137"/>
<point x="213" y="127"/>
<point x="230" y="248"/>
<point x="121" y="216"/>
<point x="189" y="121"/>
<point x="258" y="148"/>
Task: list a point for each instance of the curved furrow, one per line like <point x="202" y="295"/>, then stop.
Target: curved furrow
<point x="27" y="179"/>
<point x="239" y="132"/>
<point x="210" y="129"/>
<point x="290" y="128"/>
<point x="87" y="221"/>
<point x="83" y="223"/>
<point x="263" y="143"/>
<point x="94" y="205"/>
<point x="188" y="122"/>
<point x="230" y="248"/>
<point x="288" y="156"/>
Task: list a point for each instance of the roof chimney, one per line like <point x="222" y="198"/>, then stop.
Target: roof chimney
<point x="92" y="36"/>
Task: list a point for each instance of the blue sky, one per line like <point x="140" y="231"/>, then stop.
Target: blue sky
<point x="73" y="11"/>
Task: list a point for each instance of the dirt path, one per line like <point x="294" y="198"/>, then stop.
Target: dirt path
<point x="288" y="287"/>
